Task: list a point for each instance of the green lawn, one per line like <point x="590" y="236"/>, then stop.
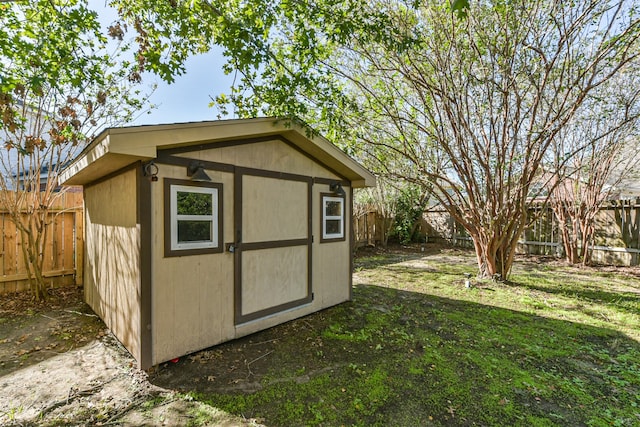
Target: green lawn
<point x="554" y="346"/>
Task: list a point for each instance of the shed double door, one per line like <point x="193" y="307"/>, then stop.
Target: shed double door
<point x="272" y="248"/>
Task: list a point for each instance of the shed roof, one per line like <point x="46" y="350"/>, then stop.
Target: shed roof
<point x="116" y="148"/>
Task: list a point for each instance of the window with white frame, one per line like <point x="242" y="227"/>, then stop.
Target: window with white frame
<point x="332" y="217"/>
<point x="193" y="225"/>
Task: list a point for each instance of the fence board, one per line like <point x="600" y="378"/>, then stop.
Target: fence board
<point x="63" y="260"/>
<point x="617" y="232"/>
<point x="68" y="240"/>
<point x="2" y="244"/>
<point x="10" y="253"/>
<point x="79" y="245"/>
<point x="49" y="245"/>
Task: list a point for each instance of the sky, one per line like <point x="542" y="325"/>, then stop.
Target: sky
<point x="188" y="97"/>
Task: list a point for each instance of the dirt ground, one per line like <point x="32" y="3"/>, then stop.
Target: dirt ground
<point x="59" y="365"/>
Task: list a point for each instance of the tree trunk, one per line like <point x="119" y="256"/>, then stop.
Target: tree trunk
<point x="577" y="237"/>
<point x="588" y="232"/>
<point x="32" y="264"/>
<point x="495" y="251"/>
<point x="33" y="235"/>
<point x="570" y="245"/>
<point x="494" y="262"/>
<point x="486" y="262"/>
<point x="570" y="237"/>
<point x="569" y="242"/>
<point x="387" y="225"/>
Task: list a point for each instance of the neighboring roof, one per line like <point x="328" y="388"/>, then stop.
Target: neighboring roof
<point x="116" y="148"/>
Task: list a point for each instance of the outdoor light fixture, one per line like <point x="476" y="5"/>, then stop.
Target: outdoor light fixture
<point x="336" y="187"/>
<point x="197" y="173"/>
<point x="151" y="171"/>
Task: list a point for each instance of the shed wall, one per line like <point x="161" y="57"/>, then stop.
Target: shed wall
<point x="333" y="259"/>
<point x="331" y="263"/>
<point x="267" y="155"/>
<point x="193" y="296"/>
<point x="112" y="268"/>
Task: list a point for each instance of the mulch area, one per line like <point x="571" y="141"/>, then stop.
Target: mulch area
<point x="21" y="302"/>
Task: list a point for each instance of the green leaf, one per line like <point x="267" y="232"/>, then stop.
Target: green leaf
<point x="461" y="7"/>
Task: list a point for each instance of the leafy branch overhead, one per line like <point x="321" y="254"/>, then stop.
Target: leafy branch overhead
<point x="59" y="52"/>
<point x="61" y="80"/>
<point x="464" y="97"/>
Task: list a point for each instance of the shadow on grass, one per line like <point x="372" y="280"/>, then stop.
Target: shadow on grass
<point x="402" y="358"/>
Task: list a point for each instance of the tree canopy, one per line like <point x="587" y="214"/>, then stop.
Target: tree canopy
<point x="55" y="57"/>
<point x="591" y="157"/>
<point x="462" y="97"/>
<point x="61" y="80"/>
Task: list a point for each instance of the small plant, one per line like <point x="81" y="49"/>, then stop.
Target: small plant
<point x="13" y="412"/>
<point x="410" y="206"/>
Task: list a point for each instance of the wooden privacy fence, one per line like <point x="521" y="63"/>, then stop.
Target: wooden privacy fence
<point x="367" y="227"/>
<point x="63" y="249"/>
<point x="617" y="232"/>
<point x="616" y="240"/>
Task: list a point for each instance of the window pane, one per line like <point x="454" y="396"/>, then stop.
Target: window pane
<point x="334" y="226"/>
<point x="194" y="203"/>
<point x="333" y="208"/>
<point x="194" y="231"/>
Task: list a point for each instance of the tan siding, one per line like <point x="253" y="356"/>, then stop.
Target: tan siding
<point x="112" y="276"/>
<point x="330" y="268"/>
<point x="192" y="295"/>
<point x="330" y="259"/>
<point x="272" y="277"/>
<point x="270" y="155"/>
<point x="266" y="209"/>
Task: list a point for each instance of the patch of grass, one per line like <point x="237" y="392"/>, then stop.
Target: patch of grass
<point x="202" y="415"/>
<point x="555" y="346"/>
<point x="350" y="395"/>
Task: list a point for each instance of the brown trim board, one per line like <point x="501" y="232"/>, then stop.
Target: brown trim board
<point x="163" y="158"/>
<point x="351" y="244"/>
<point x="143" y="214"/>
<point x="329" y="181"/>
<point x="221" y="144"/>
<point x="272" y="310"/>
<point x="237" y="255"/>
<point x="256" y="246"/>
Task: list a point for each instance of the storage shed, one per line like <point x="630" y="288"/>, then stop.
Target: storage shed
<point x="199" y="233"/>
